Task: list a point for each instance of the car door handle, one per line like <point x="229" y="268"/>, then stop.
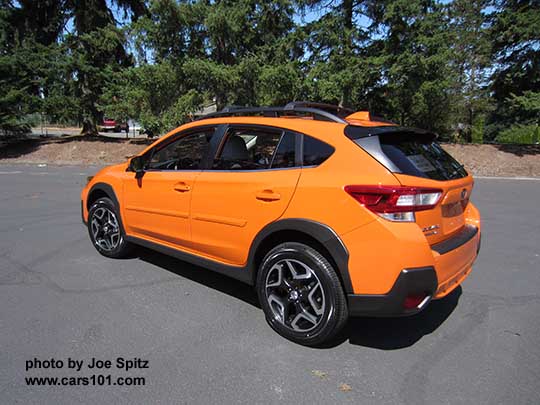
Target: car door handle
<point x="267" y="195"/>
<point x="182" y="187"/>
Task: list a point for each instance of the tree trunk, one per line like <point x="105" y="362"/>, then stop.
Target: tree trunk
<point x="348" y="13"/>
<point x="89" y="128"/>
<point x="469" y="129"/>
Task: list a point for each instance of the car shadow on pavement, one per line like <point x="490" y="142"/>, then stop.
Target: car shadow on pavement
<point x="378" y="333"/>
<point x="398" y="333"/>
<point x="201" y="275"/>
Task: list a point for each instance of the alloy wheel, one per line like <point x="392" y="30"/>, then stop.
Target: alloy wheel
<point x="295" y="295"/>
<point x="105" y="229"/>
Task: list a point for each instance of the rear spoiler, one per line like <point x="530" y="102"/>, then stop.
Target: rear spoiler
<point x="357" y="132"/>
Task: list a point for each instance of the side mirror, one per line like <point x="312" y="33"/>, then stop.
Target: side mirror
<point x="136" y="165"/>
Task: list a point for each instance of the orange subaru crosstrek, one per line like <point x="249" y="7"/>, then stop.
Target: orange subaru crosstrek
<point x="329" y="213"/>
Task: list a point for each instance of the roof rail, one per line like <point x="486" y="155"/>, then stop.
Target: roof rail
<point x="339" y="111"/>
<point x="317" y="110"/>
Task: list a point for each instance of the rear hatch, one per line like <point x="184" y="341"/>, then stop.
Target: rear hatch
<point x="417" y="160"/>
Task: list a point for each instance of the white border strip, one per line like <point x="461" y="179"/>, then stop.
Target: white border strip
<point x="507" y="178"/>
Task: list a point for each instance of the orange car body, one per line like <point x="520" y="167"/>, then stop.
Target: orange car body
<point x="218" y="217"/>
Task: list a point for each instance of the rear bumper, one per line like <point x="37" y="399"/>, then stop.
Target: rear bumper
<point x="418" y="281"/>
<point x="454" y="259"/>
<point x="453" y="263"/>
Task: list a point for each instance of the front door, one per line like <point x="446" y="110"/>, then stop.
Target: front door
<point x="157" y="205"/>
<point x="249" y="185"/>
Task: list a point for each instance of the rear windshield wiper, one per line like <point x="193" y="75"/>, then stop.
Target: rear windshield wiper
<point x="455" y="172"/>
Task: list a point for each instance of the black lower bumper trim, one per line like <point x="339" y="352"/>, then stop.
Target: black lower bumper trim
<point x="463" y="236"/>
<point x="415" y="281"/>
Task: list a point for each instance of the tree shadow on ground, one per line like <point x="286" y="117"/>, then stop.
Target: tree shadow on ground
<point x="12" y="149"/>
<point x="15" y="147"/>
<point x="519" y="150"/>
<point x="100" y="138"/>
<point x="379" y="333"/>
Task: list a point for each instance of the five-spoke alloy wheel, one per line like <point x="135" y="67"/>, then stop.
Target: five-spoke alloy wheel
<point x="301" y="294"/>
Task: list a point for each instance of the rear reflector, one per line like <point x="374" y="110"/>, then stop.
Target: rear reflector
<point x="395" y="203"/>
<point x="413" y="301"/>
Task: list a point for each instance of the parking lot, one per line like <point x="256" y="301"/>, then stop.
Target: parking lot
<point x="206" y="340"/>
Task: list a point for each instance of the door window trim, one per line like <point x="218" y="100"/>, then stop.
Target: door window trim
<point x="221" y="138"/>
<point x="218" y="140"/>
<point x="173" y="138"/>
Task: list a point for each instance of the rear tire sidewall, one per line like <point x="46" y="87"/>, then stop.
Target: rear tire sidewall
<point x="123" y="248"/>
<point x="331" y="321"/>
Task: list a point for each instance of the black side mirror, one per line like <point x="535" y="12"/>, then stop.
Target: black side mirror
<point x="136" y="165"/>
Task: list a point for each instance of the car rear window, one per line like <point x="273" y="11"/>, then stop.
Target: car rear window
<point x="417" y="155"/>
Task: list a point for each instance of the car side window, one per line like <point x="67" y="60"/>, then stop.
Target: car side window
<point x="185" y="153"/>
<point x="285" y="153"/>
<point x="248" y="149"/>
<point x="315" y="151"/>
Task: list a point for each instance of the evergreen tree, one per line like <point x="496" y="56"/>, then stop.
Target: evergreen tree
<point x="471" y="59"/>
<point x="444" y="66"/>
<point x="97" y="50"/>
<point x="516" y="79"/>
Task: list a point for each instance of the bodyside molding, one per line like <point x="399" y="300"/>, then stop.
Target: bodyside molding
<point x="247" y="274"/>
<point x="237" y="272"/>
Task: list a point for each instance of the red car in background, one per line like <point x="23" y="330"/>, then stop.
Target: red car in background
<point x="112" y="125"/>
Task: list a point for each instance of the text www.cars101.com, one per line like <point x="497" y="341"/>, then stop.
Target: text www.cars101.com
<point x="95" y="379"/>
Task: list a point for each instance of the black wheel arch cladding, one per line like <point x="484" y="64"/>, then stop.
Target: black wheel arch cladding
<point x="104" y="188"/>
<point x="322" y="233"/>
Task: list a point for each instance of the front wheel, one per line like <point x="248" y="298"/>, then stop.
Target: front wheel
<point x="105" y="230"/>
<point x="301" y="294"/>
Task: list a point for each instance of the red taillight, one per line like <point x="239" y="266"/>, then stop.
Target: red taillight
<point x="395" y="203"/>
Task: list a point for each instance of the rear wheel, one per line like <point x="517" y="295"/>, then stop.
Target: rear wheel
<point x="301" y="294"/>
<point x="105" y="230"/>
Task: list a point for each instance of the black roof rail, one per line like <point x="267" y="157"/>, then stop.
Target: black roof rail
<point x="340" y="111"/>
<point x="291" y="109"/>
<point x="230" y="108"/>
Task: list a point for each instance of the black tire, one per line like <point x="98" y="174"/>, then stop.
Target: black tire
<point x="298" y="293"/>
<point x="109" y="240"/>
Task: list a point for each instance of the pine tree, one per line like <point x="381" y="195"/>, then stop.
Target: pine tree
<point x="516" y="79"/>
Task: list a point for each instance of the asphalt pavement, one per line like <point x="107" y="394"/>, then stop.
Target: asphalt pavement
<point x="206" y="341"/>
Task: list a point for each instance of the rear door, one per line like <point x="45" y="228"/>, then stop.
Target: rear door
<point x="249" y="185"/>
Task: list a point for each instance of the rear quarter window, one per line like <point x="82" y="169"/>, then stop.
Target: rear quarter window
<point x="315" y="151"/>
